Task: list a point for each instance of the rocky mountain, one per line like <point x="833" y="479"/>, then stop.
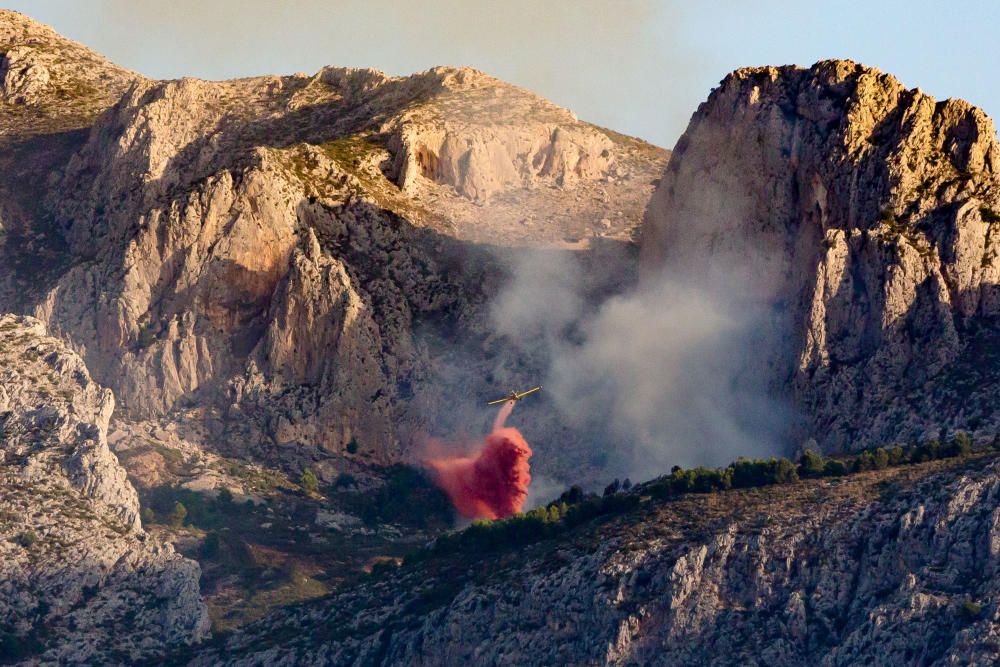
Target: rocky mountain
<point x="883" y="568"/>
<point x="289" y="272"/>
<point x="80" y="581"/>
<point x="281" y="262"/>
<point x="861" y="215"/>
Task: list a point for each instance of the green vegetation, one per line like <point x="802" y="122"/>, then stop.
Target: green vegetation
<point x="26" y="538"/>
<point x="178" y="515"/>
<point x="254" y="478"/>
<point x="352" y="446"/>
<point x="309" y="482"/>
<point x="970" y="610"/>
<point x="532" y="526"/>
<point x="408" y="498"/>
<point x="176" y="506"/>
<point x="575" y="507"/>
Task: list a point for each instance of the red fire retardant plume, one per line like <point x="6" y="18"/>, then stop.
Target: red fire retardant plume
<point x="493" y="483"/>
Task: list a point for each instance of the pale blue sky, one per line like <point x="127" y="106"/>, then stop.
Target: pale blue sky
<point x="635" y="66"/>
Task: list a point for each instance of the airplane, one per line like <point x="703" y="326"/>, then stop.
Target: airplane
<point x="514" y="396"/>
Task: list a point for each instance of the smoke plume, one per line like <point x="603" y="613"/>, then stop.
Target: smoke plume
<point x="665" y="372"/>
<point x="492" y="483"/>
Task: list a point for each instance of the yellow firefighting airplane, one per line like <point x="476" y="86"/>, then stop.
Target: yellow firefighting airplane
<point x="514" y="396"/>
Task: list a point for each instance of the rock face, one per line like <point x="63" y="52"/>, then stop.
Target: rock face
<point x="79" y="579"/>
<point x="877" y="569"/>
<point x="282" y="253"/>
<point x="864" y="215"/>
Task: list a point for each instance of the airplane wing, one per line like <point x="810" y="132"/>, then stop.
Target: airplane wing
<point x="501" y="400"/>
<point x="530" y="391"/>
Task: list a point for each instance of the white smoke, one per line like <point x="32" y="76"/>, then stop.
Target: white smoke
<point x="661" y="374"/>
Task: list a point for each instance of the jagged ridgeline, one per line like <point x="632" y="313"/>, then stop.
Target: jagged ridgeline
<point x="284" y="280"/>
<point x="286" y="263"/>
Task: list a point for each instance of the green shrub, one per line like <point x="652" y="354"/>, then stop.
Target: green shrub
<point x="225" y="496"/>
<point x="409" y="497"/>
<point x="309" y="482"/>
<point x="928" y="451"/>
<point x="897" y="455"/>
<point x="352" y="446"/>
<point x="26" y="538"/>
<point x="148" y="515"/>
<point x="747" y="473"/>
<point x="960" y="445"/>
<point x="881" y="459"/>
<point x="970" y="610"/>
<point x="210" y="546"/>
<point x="863" y="461"/>
<point x="834" y="468"/>
<point x="178" y="515"/>
<point x="811" y="464"/>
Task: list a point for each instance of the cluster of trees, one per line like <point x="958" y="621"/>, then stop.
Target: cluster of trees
<point x="747" y="473"/>
<point x="813" y="464"/>
<point x="178" y="507"/>
<point x="740" y="474"/>
<point x="571" y="509"/>
<point x="575" y="506"/>
<point x="409" y="497"/>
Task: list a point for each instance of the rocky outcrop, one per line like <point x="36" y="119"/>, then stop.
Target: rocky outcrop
<point x="482" y="137"/>
<point x="861" y="215"/>
<point x="881" y="569"/>
<point x="79" y="579"/>
<point x="269" y="250"/>
<point x="51" y="74"/>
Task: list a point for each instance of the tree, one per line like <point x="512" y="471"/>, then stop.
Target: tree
<point x="864" y="461"/>
<point x="572" y="495"/>
<point x="178" y="515"/>
<point x="834" y="468"/>
<point x="612" y="488"/>
<point x="148" y="515"/>
<point x="811" y="464"/>
<point x="225" y="496"/>
<point x="960" y="445"/>
<point x="309" y="482"/>
<point x="881" y="458"/>
<point x="897" y="455"/>
<point x="352" y="446"/>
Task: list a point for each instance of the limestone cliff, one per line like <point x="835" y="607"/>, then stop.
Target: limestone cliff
<point x="862" y="216"/>
<point x="79" y="579"/>
<point x="284" y="251"/>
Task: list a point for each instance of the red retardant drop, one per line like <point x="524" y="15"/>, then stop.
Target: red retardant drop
<point x="493" y="483"/>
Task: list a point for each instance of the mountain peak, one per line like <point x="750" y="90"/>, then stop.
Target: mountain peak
<point x="49" y="82"/>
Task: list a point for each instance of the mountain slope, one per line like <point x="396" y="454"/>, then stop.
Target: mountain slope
<point x="862" y="217"/>
<point x="882" y="568"/>
<point x="279" y="262"/>
<point x="81" y="581"/>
